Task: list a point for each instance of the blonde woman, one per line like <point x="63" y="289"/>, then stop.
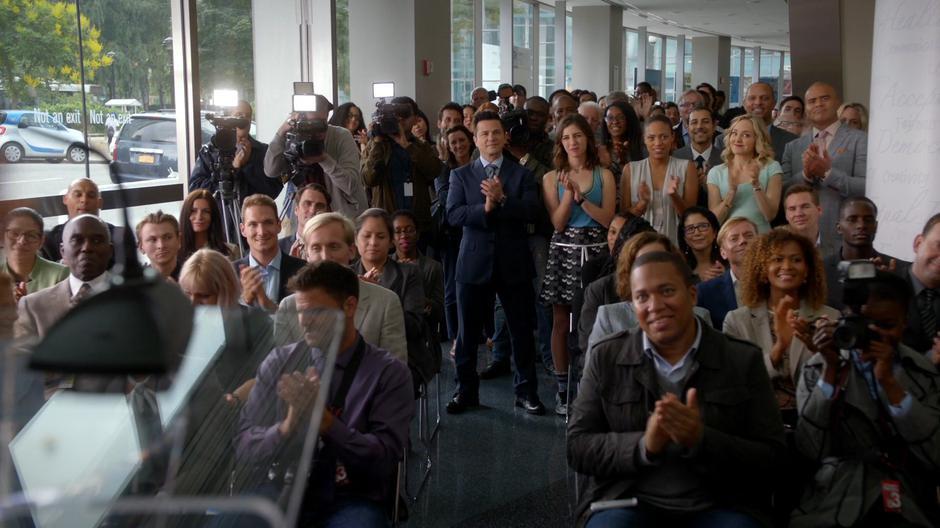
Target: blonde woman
<point x="854" y="115"/>
<point x="749" y="182"/>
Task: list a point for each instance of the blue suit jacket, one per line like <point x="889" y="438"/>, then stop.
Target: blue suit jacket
<point x="717" y="295"/>
<point x="494" y="244"/>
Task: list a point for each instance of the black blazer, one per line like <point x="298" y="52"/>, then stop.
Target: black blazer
<point x="914" y="335"/>
<point x="743" y="439"/>
<point x="289" y="267"/>
<point x="494" y="244"/>
<point x="717" y="296"/>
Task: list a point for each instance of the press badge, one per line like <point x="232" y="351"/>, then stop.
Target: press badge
<point x="409" y="190"/>
<point x="891" y="495"/>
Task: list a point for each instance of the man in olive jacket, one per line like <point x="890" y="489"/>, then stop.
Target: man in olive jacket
<point x="676" y="415"/>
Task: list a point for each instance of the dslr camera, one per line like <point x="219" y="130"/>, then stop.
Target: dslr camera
<point x="852" y="331"/>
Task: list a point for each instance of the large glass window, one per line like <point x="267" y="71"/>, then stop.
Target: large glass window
<point x="222" y="63"/>
<point x="748" y="74"/>
<point x="128" y="69"/>
<point x="343" y="91"/>
<point x="491" y="54"/>
<point x="669" y="90"/>
<point x="632" y="59"/>
<point x="461" y="50"/>
<point x="735" y="96"/>
<point x="770" y="67"/>
<point x="787" y="76"/>
<point x="687" y="80"/>
<point x="569" y="39"/>
<point x="521" y="24"/>
<point x="547" y="79"/>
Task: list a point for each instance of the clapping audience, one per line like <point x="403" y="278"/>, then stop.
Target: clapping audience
<point x="702" y="327"/>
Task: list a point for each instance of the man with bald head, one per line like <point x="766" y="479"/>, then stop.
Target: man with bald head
<point x="82" y="197"/>
<point x="759" y="102"/>
<point x="86" y="247"/>
<point x="831" y="158"/>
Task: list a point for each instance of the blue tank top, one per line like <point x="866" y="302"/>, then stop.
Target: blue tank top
<point x="579" y="218"/>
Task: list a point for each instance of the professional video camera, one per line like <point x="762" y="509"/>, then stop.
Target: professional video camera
<point x="386" y="118"/>
<point x="224" y="144"/>
<point x="516" y="123"/>
<point x="852" y="331"/>
<point x="306" y="138"/>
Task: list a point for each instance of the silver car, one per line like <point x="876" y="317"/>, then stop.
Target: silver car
<point x="27" y="134"/>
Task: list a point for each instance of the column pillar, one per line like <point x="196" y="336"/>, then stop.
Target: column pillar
<point x="561" y="43"/>
<point x="597" y="47"/>
<point x="381" y="48"/>
<point x="711" y="62"/>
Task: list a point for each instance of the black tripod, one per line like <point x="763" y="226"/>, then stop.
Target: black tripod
<point x="228" y="196"/>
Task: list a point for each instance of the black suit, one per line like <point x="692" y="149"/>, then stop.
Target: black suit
<point x="914" y="335"/>
<point x="494" y="259"/>
<point x="717" y="296"/>
<point x="289" y="267"/>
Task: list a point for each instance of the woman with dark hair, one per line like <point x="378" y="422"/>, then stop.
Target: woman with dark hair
<point x="468" y="112"/>
<point x="660" y="187"/>
<point x="581" y="201"/>
<point x="783" y="286"/>
<point x="698" y="230"/>
<point x="622" y="135"/>
<point x="374" y="232"/>
<point x="421" y="129"/>
<point x="349" y="116"/>
<point x="201" y="227"/>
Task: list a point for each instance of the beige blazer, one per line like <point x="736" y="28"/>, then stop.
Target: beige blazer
<point x="753" y="324"/>
<point x="37" y="312"/>
<point x="379" y="318"/>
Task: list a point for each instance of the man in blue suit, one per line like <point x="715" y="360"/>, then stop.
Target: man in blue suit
<point x="493" y="199"/>
<point x="831" y="158"/>
<point x="720" y="295"/>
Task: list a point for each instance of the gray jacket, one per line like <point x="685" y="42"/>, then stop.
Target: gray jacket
<point x="844" y="436"/>
<point x="743" y="439"/>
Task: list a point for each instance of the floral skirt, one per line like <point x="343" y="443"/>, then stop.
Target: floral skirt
<point x="568" y="250"/>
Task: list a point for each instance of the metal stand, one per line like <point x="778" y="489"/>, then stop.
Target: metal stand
<point x="231" y="214"/>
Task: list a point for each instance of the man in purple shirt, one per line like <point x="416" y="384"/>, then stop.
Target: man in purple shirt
<point x="363" y="432"/>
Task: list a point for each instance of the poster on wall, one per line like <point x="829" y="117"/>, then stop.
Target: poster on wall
<point x="904" y="130"/>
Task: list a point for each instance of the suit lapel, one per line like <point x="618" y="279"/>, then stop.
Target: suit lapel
<point x="760" y="326"/>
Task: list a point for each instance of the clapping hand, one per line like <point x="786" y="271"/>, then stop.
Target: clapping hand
<point x="251" y="282"/>
<point x="681" y="421"/>
<point x="752" y="171"/>
<point x="298" y="391"/>
<point x="372" y="275"/>
<point x="715" y="270"/>
<point x="673" y="187"/>
<point x="891" y="265"/>
<point x="492" y="189"/>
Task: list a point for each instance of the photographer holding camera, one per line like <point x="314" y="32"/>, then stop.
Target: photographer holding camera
<point x="308" y="150"/>
<point x="248" y="163"/>
<point x="399" y="168"/>
<point x="869" y="408"/>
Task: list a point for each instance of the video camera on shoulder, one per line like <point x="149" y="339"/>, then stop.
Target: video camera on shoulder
<point x="516" y="123"/>
<point x="852" y="331"/>
<point x="307" y="134"/>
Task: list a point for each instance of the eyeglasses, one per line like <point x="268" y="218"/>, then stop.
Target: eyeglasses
<point x="29" y="236"/>
<point x="701" y="228"/>
<point x="410" y="230"/>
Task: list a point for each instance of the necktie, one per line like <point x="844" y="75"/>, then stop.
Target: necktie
<point x="491" y="171"/>
<point x="81" y="295"/>
<point x="699" y="162"/>
<point x="821" y="140"/>
<point x="928" y="317"/>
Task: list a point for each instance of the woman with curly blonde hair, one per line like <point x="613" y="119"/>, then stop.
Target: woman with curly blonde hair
<point x="783" y="288"/>
<point x="749" y="181"/>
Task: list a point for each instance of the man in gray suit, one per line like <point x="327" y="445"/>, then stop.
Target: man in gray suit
<point x="831" y="158"/>
<point x="86" y="246"/>
<point x="379" y="316"/>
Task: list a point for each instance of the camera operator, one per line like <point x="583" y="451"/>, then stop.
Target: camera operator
<point x="868" y="415"/>
<point x="248" y="163"/>
<point x="399" y="168"/>
<point x="336" y="168"/>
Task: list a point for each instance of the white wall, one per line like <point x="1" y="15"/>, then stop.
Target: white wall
<point x="711" y="62"/>
<point x="276" y="39"/>
<point x="432" y="42"/>
<point x="381" y="48"/>
<point x="904" y="140"/>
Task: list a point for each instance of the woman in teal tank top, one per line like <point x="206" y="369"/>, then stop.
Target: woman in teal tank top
<point x="581" y="200"/>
